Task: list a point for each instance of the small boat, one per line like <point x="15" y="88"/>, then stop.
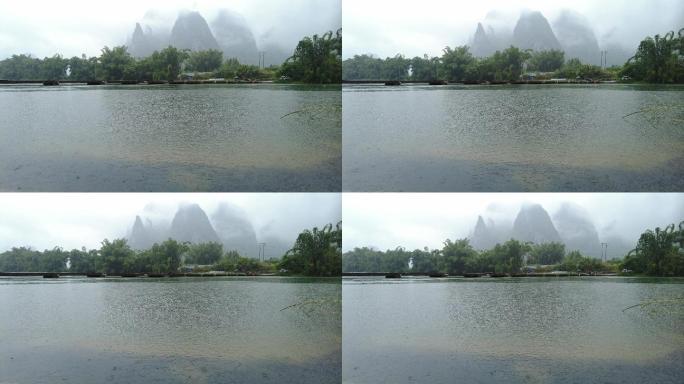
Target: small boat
<point x="393" y="275"/>
<point x="51" y="82"/>
<point x="50" y="275"/>
<point x="438" y="82"/>
<point x="94" y="274"/>
<point x="393" y="82"/>
<point x="438" y="274"/>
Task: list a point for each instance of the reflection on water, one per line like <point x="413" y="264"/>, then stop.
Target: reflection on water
<point x="206" y="132"/>
<point x="532" y="137"/>
<point x="170" y="329"/>
<point x="511" y="330"/>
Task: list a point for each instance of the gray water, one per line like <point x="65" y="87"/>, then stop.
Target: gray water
<point x="211" y="330"/>
<point x="255" y="137"/>
<point x="524" y="330"/>
<point x="513" y="138"/>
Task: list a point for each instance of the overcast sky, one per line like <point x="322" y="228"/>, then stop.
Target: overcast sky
<point x="44" y="221"/>
<point x="388" y="27"/>
<point x="73" y="27"/>
<point x="388" y="220"/>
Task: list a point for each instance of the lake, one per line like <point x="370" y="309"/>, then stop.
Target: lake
<point x="512" y="330"/>
<point x="607" y="137"/>
<point x="256" y="137"/>
<point x="170" y="330"/>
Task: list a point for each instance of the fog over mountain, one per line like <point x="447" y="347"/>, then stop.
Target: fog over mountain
<point x="571" y="225"/>
<point x="385" y="28"/>
<point x="240" y="28"/>
<point x="571" y="33"/>
<point x="228" y="225"/>
<point x="228" y="33"/>
<point x="237" y="220"/>
<point x="582" y="221"/>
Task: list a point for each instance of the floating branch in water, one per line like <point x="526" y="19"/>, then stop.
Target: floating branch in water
<point x="291" y="113"/>
<point x="651" y="302"/>
<point x="316" y="110"/>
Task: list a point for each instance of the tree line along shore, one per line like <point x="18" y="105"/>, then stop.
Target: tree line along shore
<point x="315" y="252"/>
<point x="659" y="252"/>
<point x="316" y="60"/>
<point x="657" y="59"/>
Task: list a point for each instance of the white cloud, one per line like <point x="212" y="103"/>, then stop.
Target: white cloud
<point x="387" y="27"/>
<point x="416" y="220"/>
<point x="73" y="220"/>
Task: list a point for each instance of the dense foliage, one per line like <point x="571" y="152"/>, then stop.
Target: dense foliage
<point x="317" y="59"/>
<point x="316" y="252"/>
<point x="459" y="257"/>
<point x="658" y="59"/>
<point x="659" y="252"/>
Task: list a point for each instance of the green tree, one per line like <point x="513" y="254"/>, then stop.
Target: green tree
<point x="204" y="253"/>
<point x="547" y="253"/>
<point x="658" y="252"/>
<point x="115" y="255"/>
<point x="316" y="252"/>
<point x="316" y="59"/>
<point x="456" y="255"/>
<point x="54" y="68"/>
<point x="205" y="61"/>
<point x="113" y="62"/>
<point x="455" y="63"/>
<point x="425" y="68"/>
<point x="658" y="59"/>
<point x="547" y="61"/>
<point x="82" y="68"/>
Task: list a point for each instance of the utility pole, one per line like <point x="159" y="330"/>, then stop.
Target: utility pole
<point x="604" y="252"/>
<point x="262" y="251"/>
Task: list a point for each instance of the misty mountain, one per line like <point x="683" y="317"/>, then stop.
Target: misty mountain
<point x="191" y="31"/>
<point x="140" y="237"/>
<point x="534" y="224"/>
<point x="235" y="230"/>
<point x="571" y="225"/>
<point x="481" y="45"/>
<point x="577" y="38"/>
<point x="191" y="224"/>
<point x="235" y="37"/>
<point x="228" y="225"/>
<point x="534" y="32"/>
<point x="577" y="230"/>
<point x="571" y="32"/>
<point x="140" y="44"/>
<point x="228" y="32"/>
<point x="487" y="235"/>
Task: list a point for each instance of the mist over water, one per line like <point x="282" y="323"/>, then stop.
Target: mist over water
<point x="510" y="331"/>
<point x="223" y="138"/>
<point x="183" y="330"/>
<point x="512" y="138"/>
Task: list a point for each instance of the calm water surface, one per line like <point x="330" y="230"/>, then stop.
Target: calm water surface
<point x="217" y="330"/>
<point x="513" y="138"/>
<point x="170" y="138"/>
<point x="525" y="330"/>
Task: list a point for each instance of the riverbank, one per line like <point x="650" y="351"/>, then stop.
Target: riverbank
<point x="474" y="275"/>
